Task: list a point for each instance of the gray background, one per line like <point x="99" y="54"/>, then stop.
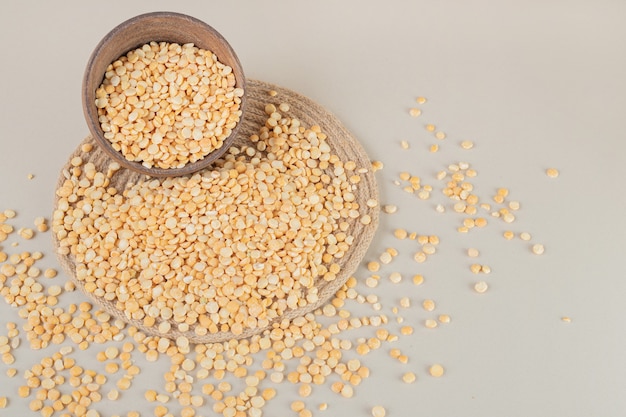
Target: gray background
<point x="535" y="84"/>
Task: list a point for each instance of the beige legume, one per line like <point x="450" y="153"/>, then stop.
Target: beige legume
<point x="379" y="411"/>
<point x="305" y="390"/>
<point x="508" y="217"/>
<point x="385" y="258"/>
<point x="54" y="290"/>
<point x="444" y="318"/>
<point x="50" y="273"/>
<point x="538" y="249"/>
<point x="429" y="305"/>
<point x="124" y="383"/>
<point x="552" y="172"/>
<point x="111" y="367"/>
<point x="373" y="266"/>
<point x="525" y="236"/>
<point x="419" y="257"/>
<point x="400" y="233"/>
<point x="436" y="370"/>
<point x="409" y="377"/>
<point x="347" y="391"/>
<point x="418" y="279"/>
<point x="23" y="391"/>
<point x="395" y="277"/>
<point x="514" y="205"/>
<point x="297" y="406"/>
<point x="481" y="287"/>
<point x="430" y="323"/>
<point x="392" y="251"/>
<point x="26" y="233"/>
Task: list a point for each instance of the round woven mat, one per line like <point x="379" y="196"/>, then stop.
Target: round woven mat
<point x="342" y="144"/>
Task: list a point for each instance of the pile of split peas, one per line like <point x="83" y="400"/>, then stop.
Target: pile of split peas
<point x="230" y="249"/>
<point x="327" y="350"/>
<point x="166" y="104"/>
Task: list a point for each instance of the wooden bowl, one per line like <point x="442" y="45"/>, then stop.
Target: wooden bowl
<point x="138" y="31"/>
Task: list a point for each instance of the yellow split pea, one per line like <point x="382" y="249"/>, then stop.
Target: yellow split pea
<point x="185" y="250"/>
<point x="436" y="370"/>
<point x="552" y="172"/>
<point x="415" y="112"/>
<point x="379" y="411"/>
<point x="166" y="104"/>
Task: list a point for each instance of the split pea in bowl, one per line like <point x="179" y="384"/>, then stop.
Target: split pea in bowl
<point x="164" y="94"/>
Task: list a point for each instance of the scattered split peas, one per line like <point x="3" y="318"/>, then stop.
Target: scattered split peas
<point x="166" y="104"/>
<point x="281" y="345"/>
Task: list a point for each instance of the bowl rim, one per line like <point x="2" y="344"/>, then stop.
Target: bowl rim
<point x="91" y="113"/>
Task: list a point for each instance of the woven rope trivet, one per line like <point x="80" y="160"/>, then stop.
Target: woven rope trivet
<point x="342" y="144"/>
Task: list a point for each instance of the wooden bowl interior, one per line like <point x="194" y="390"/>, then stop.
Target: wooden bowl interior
<point x="140" y="30"/>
